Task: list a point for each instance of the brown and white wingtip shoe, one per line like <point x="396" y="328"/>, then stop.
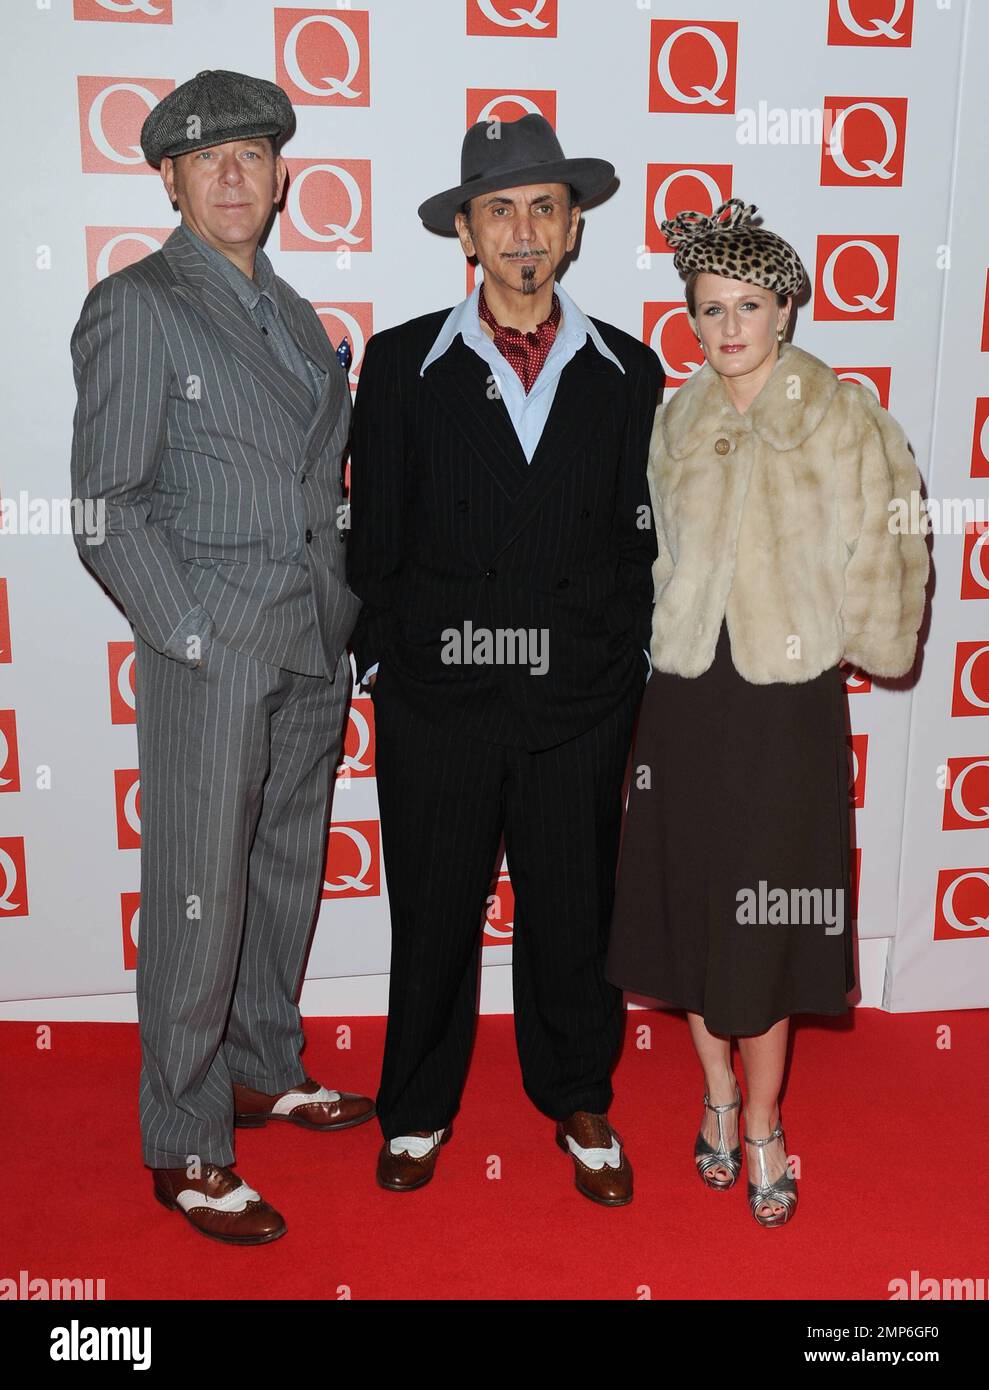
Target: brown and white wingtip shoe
<point x="219" y="1204"/>
<point x="601" y="1170"/>
<point x="310" y="1105"/>
<point x="409" y="1160"/>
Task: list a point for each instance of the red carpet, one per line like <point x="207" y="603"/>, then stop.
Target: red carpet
<point x="885" y="1124"/>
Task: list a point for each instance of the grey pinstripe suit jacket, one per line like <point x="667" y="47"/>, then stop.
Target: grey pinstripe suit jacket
<point x="221" y="483"/>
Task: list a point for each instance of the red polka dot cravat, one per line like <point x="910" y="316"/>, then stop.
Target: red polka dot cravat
<point x="526" y="352"/>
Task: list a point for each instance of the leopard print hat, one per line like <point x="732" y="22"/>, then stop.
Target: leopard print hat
<point x="726" y="243"/>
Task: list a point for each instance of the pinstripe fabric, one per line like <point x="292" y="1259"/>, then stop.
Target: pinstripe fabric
<point x="445" y="799"/>
<point x="241" y="828"/>
<point x="259" y="297"/>
<point x="212" y="464"/>
<point x="451" y="524"/>
<point x="221" y="479"/>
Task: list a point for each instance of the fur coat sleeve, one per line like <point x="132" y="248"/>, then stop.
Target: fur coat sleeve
<point x="885" y="575"/>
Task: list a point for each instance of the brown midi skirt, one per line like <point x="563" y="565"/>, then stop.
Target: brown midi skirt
<point x="747" y="786"/>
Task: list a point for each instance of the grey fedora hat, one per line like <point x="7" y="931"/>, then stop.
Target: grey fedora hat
<point x="525" y="151"/>
<point x="213" y="108"/>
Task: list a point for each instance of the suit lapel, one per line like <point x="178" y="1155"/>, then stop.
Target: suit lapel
<point x="311" y="338"/>
<point x="460" y="381"/>
<point x="212" y="298"/>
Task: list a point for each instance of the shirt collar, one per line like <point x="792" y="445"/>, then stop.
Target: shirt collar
<point x="247" y="291"/>
<point x="575" y="327"/>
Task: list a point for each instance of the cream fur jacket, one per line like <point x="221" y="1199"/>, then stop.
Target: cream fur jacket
<point x="778" y="520"/>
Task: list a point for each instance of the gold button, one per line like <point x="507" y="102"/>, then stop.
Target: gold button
<point x="722" y="446"/>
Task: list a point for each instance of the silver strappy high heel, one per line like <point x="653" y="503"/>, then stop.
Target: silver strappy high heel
<point x="782" y="1192"/>
<point x="708" y="1158"/>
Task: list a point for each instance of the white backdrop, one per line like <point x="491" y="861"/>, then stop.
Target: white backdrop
<point x="693" y="102"/>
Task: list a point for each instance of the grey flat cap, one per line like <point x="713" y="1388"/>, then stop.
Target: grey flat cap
<point x="212" y="108"/>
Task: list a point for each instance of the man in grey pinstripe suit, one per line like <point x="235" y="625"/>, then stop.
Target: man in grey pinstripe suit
<point x="211" y="420"/>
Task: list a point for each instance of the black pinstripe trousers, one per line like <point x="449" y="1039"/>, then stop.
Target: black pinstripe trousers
<point x="445" y="799"/>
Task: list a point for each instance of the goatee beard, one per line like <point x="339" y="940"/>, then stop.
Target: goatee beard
<point x="528" y="279"/>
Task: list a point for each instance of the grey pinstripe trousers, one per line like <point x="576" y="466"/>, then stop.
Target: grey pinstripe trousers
<point x="236" y="762"/>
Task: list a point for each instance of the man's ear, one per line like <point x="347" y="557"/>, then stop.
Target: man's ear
<point x="463" y="231"/>
<point x="167" y="172"/>
<point x="575" y="213"/>
<point x="281" y="177"/>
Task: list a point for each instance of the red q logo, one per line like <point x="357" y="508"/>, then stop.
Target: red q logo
<point x="865" y="144"/>
<point x="858" y="753"/>
<point x="874" y="379"/>
<point x="111" y="113"/>
<point x="494" y="104"/>
<point x="353" y="860"/>
<point x="970" y="687"/>
<point x="109" y="249"/>
<point x="128" y="803"/>
<point x="515" y="19"/>
<point x="499" y="912"/>
<point x="962" y="909"/>
<point x="670" y="188"/>
<point x="975" y="561"/>
<point x="692" y="67"/>
<point x="323" y="58"/>
<point x="871" y="23"/>
<point x="857" y="684"/>
<point x="130" y="924"/>
<point x="123" y="698"/>
<point x="358" y="742"/>
<point x="855" y="277"/>
<point x="666" y="329"/>
<point x="10" y="774"/>
<point x="980" y="439"/>
<point x="13" y="877"/>
<point x="328" y="205"/>
<point x="137" y="11"/>
<point x="966" y="795"/>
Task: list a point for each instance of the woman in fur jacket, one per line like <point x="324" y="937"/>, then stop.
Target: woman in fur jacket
<point x="772" y="488"/>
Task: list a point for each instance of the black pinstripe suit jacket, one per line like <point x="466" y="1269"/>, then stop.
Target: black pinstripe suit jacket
<point x="451" y="525"/>
<point x="221" y="483"/>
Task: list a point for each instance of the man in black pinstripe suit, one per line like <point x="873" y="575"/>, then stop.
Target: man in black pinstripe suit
<point x="502" y="545"/>
<point x="211" y="420"/>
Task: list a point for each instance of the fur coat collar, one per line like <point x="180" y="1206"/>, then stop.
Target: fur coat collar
<point x="702" y="405"/>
